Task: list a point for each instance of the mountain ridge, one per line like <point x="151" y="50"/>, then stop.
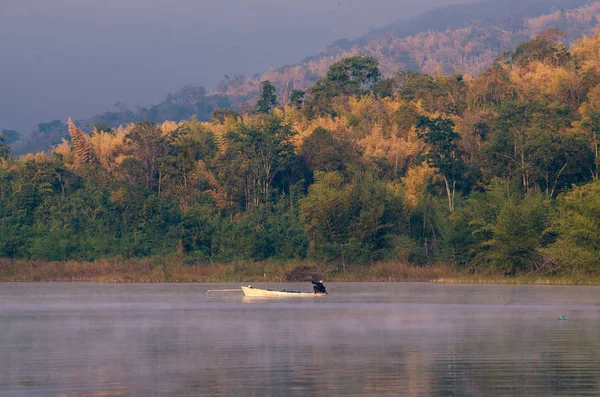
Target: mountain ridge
<point x="489" y="41"/>
<point x="461" y="39"/>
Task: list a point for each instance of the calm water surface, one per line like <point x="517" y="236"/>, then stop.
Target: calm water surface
<point x="367" y="339"/>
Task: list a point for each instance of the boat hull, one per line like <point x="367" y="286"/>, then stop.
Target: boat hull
<point x="264" y="293"/>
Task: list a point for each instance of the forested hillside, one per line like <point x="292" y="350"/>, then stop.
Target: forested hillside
<point x="496" y="173"/>
<point x="187" y="102"/>
<point x="463" y="39"/>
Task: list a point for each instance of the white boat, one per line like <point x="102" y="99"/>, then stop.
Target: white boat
<point x="267" y="293"/>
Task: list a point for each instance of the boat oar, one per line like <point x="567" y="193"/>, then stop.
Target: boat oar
<point x="223" y="290"/>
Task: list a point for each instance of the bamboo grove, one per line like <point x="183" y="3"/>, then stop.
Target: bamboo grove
<point x="494" y="174"/>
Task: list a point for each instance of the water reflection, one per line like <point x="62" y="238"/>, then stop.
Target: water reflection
<point x="361" y="340"/>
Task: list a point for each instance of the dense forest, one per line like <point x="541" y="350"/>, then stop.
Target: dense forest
<point x="463" y="38"/>
<point x="497" y="174"/>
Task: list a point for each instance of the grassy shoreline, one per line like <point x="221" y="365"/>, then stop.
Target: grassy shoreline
<point x="165" y="270"/>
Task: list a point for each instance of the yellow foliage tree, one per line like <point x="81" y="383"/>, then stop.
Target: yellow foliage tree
<point x="84" y="153"/>
<point x="416" y="181"/>
<point x="108" y="147"/>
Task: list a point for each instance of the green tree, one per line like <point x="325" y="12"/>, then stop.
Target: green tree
<point x="148" y="146"/>
<point x="350" y="76"/>
<point x="156" y="232"/>
<point x="323" y="151"/>
<point x="268" y="98"/>
<point x="198" y="229"/>
<point x="297" y="98"/>
<point x="492" y="88"/>
<point x="183" y="170"/>
<point x="544" y="48"/>
<point x="53" y="128"/>
<point x="10" y="136"/>
<point x="556" y="161"/>
<point x="354" y="75"/>
<point x="4" y="150"/>
<point x="591" y="125"/>
<point x="354" y="221"/>
<point x="320" y="99"/>
<point x="516" y="124"/>
<point x="443" y="152"/>
<point x="450" y="94"/>
<point x="266" y="149"/>
<point x="509" y="230"/>
<point x="413" y="86"/>
<point x="577" y="248"/>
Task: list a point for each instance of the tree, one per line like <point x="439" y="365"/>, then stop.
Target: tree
<point x="154" y="232"/>
<point x="323" y="151"/>
<point x="4" y="150"/>
<point x="577" y="248"/>
<point x="187" y="102"/>
<point x="447" y="94"/>
<point x="442" y="152"/>
<point x="266" y="149"/>
<point x="320" y="103"/>
<point x="183" y="171"/>
<point x="542" y="48"/>
<point x="297" y="98"/>
<point x="516" y="123"/>
<point x="46" y="135"/>
<point x="556" y="161"/>
<point x="450" y="94"/>
<point x="351" y="76"/>
<point x="350" y="220"/>
<point x="10" y="136"/>
<point x="354" y="75"/>
<point x="220" y="115"/>
<point x="268" y="98"/>
<point x="100" y="127"/>
<point x="508" y="229"/>
<point x="492" y="88"/>
<point x="385" y="88"/>
<point x="590" y="112"/>
<point x="84" y="153"/>
<point x="148" y="146"/>
<point x="414" y="86"/>
<point x="53" y="128"/>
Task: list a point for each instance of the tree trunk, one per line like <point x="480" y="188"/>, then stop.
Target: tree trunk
<point x="556" y="179"/>
<point x="596" y="158"/>
<point x="450" y="193"/>
<point x="159" y="182"/>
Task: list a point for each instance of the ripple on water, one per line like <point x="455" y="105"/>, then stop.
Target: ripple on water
<point x="362" y="340"/>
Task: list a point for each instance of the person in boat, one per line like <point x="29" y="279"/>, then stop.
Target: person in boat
<point x="319" y="287"/>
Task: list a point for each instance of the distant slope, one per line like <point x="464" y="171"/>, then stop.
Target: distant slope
<point x="461" y="39"/>
<point x="456" y="39"/>
<point x="508" y="15"/>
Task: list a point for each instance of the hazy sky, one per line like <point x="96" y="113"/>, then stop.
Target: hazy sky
<point x="61" y="58"/>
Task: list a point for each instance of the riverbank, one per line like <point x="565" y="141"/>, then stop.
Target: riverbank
<point x="166" y="270"/>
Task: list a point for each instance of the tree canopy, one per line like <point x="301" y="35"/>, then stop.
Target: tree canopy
<point x="496" y="173"/>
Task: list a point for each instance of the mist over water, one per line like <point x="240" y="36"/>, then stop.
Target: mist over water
<point x="361" y="340"/>
<point x="76" y="58"/>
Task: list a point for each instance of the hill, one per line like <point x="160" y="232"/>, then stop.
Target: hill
<point x="495" y="174"/>
<point x="463" y="39"/>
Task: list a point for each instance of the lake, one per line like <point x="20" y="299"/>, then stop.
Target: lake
<point x="364" y="339"/>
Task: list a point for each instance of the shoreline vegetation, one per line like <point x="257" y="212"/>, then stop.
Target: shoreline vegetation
<point x="410" y="177"/>
<point x="161" y="270"/>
